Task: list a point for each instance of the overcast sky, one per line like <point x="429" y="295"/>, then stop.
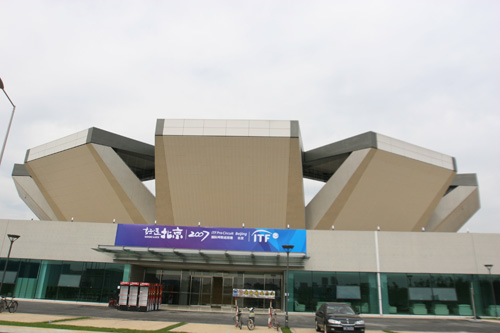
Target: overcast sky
<point x="425" y="72"/>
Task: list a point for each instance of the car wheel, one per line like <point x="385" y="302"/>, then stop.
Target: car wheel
<point x="318" y="329"/>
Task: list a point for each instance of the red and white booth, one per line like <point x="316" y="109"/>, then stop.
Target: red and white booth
<point x="137" y="296"/>
<point x="150" y="296"/>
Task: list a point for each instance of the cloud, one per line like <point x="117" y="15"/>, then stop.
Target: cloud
<point x="425" y="72"/>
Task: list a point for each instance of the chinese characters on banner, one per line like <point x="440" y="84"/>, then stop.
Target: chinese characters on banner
<point x="201" y="238"/>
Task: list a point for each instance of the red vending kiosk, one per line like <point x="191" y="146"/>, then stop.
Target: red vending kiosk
<point x="159" y="292"/>
<point x="144" y="297"/>
<point x="140" y="296"/>
<point x="123" y="296"/>
<point x="149" y="296"/>
<point x="133" y="296"/>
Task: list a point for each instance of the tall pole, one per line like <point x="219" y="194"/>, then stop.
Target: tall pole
<point x="473" y="300"/>
<point x="12" y="239"/>
<point x="287" y="248"/>
<point x="10" y="121"/>
<point x="489" y="267"/>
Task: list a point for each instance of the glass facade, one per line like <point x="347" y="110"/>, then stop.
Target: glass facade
<point x="210" y="288"/>
<point x="418" y="294"/>
<point x="440" y="294"/>
<point x="308" y="290"/>
<point x="62" y="280"/>
<point x="400" y="293"/>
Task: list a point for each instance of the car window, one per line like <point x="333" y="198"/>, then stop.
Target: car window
<point x="340" y="309"/>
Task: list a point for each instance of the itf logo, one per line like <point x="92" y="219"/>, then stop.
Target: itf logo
<point x="263" y="236"/>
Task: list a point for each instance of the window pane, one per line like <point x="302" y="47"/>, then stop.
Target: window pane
<point x="348" y="292"/>
<point x="397" y="289"/>
<point x="66" y="280"/>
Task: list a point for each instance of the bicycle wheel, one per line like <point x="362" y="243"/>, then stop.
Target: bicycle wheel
<point x="250" y="324"/>
<point x="273" y="322"/>
<point x="2" y="306"/>
<point x="13" y="307"/>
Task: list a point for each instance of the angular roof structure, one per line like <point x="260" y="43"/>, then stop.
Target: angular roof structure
<point x="228" y="173"/>
<point x="376" y="181"/>
<point x="92" y="176"/>
<point x="234" y="173"/>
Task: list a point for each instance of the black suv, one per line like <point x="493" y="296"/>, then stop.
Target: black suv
<point x="338" y="317"/>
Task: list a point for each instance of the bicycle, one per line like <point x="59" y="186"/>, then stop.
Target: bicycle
<point x="10" y="305"/>
<point x="251" y="319"/>
<point x="274" y="321"/>
<point x="237" y="318"/>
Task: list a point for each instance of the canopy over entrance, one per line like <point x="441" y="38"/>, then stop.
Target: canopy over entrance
<point x="211" y="257"/>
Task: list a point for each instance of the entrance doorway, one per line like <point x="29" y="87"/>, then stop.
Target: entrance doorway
<point x="210" y="290"/>
<point x="217" y="290"/>
<point x="214" y="288"/>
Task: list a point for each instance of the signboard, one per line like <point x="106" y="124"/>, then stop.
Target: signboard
<point x="252" y="293"/>
<point x="201" y="238"/>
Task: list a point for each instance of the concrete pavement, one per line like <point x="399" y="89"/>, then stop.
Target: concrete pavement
<point x="119" y="323"/>
<point x="215" y="320"/>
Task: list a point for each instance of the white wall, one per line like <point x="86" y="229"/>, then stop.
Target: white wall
<point x="403" y="252"/>
<point x="56" y="240"/>
<point x="347" y="251"/>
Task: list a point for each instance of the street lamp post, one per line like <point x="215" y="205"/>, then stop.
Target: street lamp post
<point x="12" y="239"/>
<point x="287" y="248"/>
<point x="489" y="267"/>
<point x="10" y="122"/>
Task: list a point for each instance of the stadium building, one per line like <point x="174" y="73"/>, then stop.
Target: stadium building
<point x="381" y="233"/>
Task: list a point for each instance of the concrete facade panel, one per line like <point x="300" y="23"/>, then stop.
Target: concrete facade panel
<point x="323" y="209"/>
<point x="228" y="181"/>
<point x="455" y="209"/>
<point x="164" y="207"/>
<point x="397" y="192"/>
<point x="444" y="253"/>
<point x="78" y="183"/>
<point x="33" y="198"/>
<point x="48" y="240"/>
<point x="139" y="201"/>
<point x="295" y="206"/>
<point x="342" y="251"/>
<point x="486" y="248"/>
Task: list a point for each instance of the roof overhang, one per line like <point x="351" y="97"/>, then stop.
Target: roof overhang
<point x="210" y="257"/>
<point x="321" y="163"/>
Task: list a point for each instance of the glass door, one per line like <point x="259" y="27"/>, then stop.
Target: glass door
<point x="200" y="291"/>
<point x="194" y="290"/>
<point x="227" y="291"/>
<point x="206" y="290"/>
<point x="211" y="290"/>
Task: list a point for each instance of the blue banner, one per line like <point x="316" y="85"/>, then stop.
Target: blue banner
<point x="202" y="238"/>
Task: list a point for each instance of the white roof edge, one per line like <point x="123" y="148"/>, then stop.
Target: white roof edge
<point x="227" y="127"/>
<point x="415" y="152"/>
<point x="56" y="146"/>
